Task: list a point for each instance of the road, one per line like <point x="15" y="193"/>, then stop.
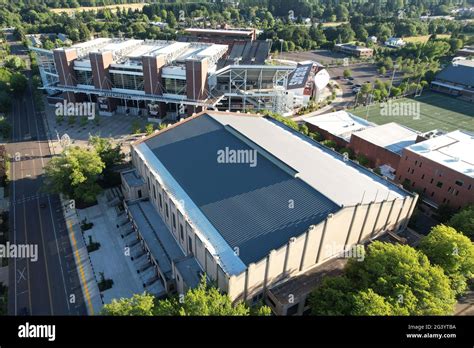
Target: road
<point x="49" y="286"/>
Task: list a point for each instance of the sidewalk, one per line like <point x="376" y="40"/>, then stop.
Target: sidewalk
<point x="110" y="258"/>
<point x="86" y="273"/>
<point x="323" y="110"/>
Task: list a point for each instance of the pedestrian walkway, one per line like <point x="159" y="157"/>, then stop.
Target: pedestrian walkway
<point x="112" y="258"/>
<point x="87" y="278"/>
<point x="324" y="109"/>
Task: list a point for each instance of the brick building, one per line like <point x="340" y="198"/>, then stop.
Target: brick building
<point x="441" y="169"/>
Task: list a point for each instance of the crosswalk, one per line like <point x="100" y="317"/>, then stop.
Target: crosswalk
<point x="23" y="200"/>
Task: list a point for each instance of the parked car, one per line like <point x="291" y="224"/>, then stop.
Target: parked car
<point x="350" y="78"/>
<point x="350" y="83"/>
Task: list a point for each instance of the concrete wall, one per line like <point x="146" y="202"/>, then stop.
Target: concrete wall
<point x="348" y="227"/>
<point x="338" y="232"/>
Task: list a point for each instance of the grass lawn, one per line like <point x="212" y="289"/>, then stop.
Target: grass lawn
<point x="96" y="8"/>
<point x="424" y="38"/>
<point x="333" y="24"/>
<point x="437" y="111"/>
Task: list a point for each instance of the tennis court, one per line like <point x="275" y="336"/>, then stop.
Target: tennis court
<point x="436" y="111"/>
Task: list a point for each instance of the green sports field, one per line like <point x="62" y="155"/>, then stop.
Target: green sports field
<point x="436" y="111"/>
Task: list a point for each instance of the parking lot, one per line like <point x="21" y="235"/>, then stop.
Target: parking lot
<point x="362" y="72"/>
<point x="324" y="57"/>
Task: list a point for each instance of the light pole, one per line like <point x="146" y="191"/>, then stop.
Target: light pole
<point x="395" y="67"/>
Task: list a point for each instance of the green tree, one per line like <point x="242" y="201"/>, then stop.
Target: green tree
<point x="14" y="63"/>
<point x="149" y="129"/>
<point x="453" y="252"/>
<point x="75" y="173"/>
<point x="204" y="300"/>
<point x="463" y="221"/>
<point x="347" y="73"/>
<point x="109" y="153"/>
<point x="333" y="297"/>
<point x="370" y="303"/>
<point x="18" y="83"/>
<point x="392" y="279"/>
<point x="137" y="305"/>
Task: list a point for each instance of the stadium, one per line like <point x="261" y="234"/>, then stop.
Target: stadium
<point x="174" y="79"/>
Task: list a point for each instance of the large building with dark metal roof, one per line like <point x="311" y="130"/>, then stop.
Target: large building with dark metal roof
<point x="456" y="79"/>
<point x="252" y="203"/>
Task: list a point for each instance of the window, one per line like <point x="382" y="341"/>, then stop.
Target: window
<point x="413" y="184"/>
<point x="469" y="187"/>
<point x="154" y="191"/>
<point x="167" y="212"/>
<point x="431" y="180"/>
<point x="432" y="194"/>
<point x="424" y="190"/>
<point x="174" y="86"/>
<point x="439" y="184"/>
<point x="181" y="232"/>
<point x="444" y="200"/>
<point x="416" y="162"/>
<point x="139" y="193"/>
<point x="148" y="182"/>
<point x="84" y="77"/>
<point x="190" y="244"/>
<point x="423" y="176"/>
<point x="459" y="183"/>
<point x="161" y="201"/>
<point x="420" y="164"/>
<point x="174" y="220"/>
<point x="125" y="81"/>
<point x="408" y="171"/>
<point x="406" y="158"/>
<point x="412" y="171"/>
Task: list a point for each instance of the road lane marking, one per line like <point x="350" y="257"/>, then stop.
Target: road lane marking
<point x="27" y="260"/>
<point x="59" y="255"/>
<point x="81" y="270"/>
<point x="14" y="218"/>
<point x="45" y="258"/>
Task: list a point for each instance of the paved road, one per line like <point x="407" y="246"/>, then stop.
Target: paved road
<point x="44" y="287"/>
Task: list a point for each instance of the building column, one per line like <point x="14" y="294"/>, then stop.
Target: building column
<point x="64" y="60"/>
<point x="152" y="79"/>
<point x="196" y="82"/>
<point x="100" y="64"/>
